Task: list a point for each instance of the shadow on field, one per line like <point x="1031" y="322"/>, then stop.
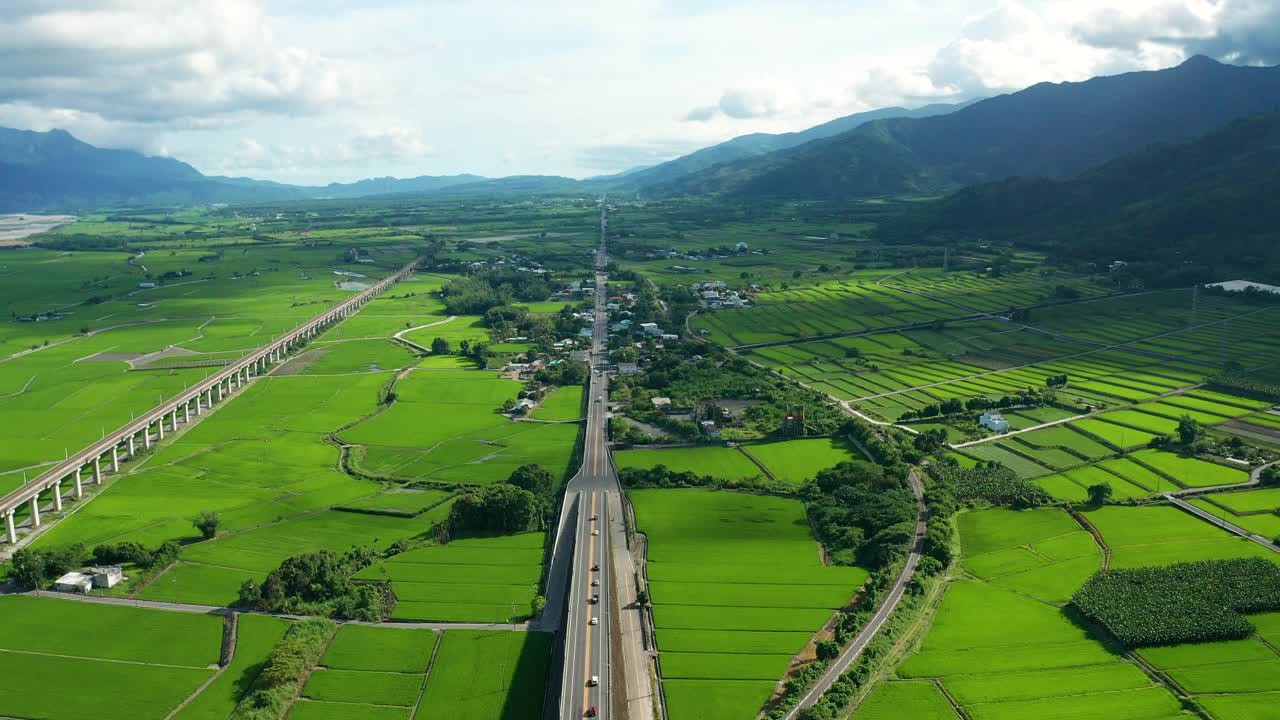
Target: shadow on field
<point x="529" y="681"/>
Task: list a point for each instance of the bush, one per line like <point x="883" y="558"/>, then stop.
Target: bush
<point x="1186" y="602"/>
<point x="291" y="660"/>
<point x="992" y="482"/>
<point x="207" y="523"/>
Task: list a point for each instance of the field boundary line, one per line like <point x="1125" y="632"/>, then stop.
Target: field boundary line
<point x="231" y="632"/>
<point x="426" y="674"/>
<point x="118" y="661"/>
<point x="1097" y="536"/>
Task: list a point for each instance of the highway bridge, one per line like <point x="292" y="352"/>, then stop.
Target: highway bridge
<point x="90" y="464"/>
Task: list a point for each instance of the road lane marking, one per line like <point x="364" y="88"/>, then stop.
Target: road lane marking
<point x="586" y="660"/>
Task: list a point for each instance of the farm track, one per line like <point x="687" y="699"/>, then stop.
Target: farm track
<point x="222" y="610"/>
<point x="400" y="335"/>
<point x="869" y="631"/>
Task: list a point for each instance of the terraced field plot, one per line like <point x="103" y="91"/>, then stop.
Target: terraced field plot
<point x="738" y="589"/>
<point x="1257" y="511"/>
<point x="827" y="309"/>
<point x="1163" y="534"/>
<point x="1190" y="471"/>
<point x="162" y="658"/>
<point x="469" y="580"/>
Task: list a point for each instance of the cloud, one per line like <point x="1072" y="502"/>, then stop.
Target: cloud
<point x="1013" y="46"/>
<point x="391" y="145"/>
<point x="739" y="104"/>
<point x="167" y="63"/>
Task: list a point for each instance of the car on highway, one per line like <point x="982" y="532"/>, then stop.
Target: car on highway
<point x="591" y="711"/>
<point x="595" y="532"/>
<point x="595" y="568"/>
<point x="595" y="598"/>
<point x="595" y="517"/>
<point x="594" y="681"/>
<point x="595" y="583"/>
<point x="594" y="621"/>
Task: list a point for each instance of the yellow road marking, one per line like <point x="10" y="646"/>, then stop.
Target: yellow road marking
<point x="586" y="656"/>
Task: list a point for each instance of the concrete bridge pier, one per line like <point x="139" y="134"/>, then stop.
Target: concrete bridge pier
<point x="115" y="457"/>
<point x="35" y="511"/>
<point x="97" y="470"/>
<point x="173" y="420"/>
<point x="79" y="485"/>
<point x="57" y="496"/>
<point x="160" y="427"/>
<point x="146" y="438"/>
<point x="10" y="529"/>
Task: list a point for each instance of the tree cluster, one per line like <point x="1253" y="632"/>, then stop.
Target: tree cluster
<point x="287" y="667"/>
<point x="496" y="508"/>
<point x="319" y="583"/>
<point x="862" y="514"/>
<point x="1186" y="602"/>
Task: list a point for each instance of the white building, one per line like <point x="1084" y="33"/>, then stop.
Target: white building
<point x="627" y="368"/>
<point x="107" y="577"/>
<point x="74" y="582"/>
<point x="993" y="420"/>
<point x="651" y="329"/>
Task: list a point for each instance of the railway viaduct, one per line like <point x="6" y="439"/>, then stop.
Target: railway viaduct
<point x="90" y="464"/>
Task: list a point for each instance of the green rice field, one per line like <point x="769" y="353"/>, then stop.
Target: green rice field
<point x="738" y="589"/>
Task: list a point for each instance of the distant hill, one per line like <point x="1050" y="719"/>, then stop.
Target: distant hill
<point x="1049" y="130"/>
<point x="54" y="170"/>
<point x="1204" y="204"/>
<point x="757" y="144"/>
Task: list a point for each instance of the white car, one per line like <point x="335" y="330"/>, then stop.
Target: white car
<point x="595" y="532"/>
<point x="594" y="681"/>
<point x="594" y="621"/>
<point x="595" y="583"/>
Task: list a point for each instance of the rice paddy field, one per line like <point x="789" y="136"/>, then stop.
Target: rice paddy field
<point x="1163" y="534"/>
<point x="162" y="658"/>
<point x="717" y="461"/>
<point x="738" y="589"/>
<point x="485" y="675"/>
<point x="797" y="461"/>
<point x="478" y="580"/>
<point x="445" y="428"/>
<point x="999" y="644"/>
<point x="63" y="395"/>
<point x="563" y="404"/>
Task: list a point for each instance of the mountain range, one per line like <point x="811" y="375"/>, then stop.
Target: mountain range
<point x="1049" y="130"/>
<point x="1200" y="206"/>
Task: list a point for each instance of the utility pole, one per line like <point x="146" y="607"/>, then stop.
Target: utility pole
<point x="1195" y="305"/>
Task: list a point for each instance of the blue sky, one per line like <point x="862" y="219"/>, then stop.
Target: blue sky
<point x="314" y="91"/>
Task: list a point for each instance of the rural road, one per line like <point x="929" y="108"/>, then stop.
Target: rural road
<point x="222" y="610"/>
<point x="850" y="654"/>
<point x="1255" y="478"/>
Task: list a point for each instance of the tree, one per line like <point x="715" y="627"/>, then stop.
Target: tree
<point x="537" y="604"/>
<point x="828" y="649"/>
<point x="494" y="508"/>
<point x="1188" y="430"/>
<point x="532" y="477"/>
<point x="1271" y="476"/>
<point x="207" y="523"/>
<point x="1100" y="493"/>
<point x="439" y="346"/>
